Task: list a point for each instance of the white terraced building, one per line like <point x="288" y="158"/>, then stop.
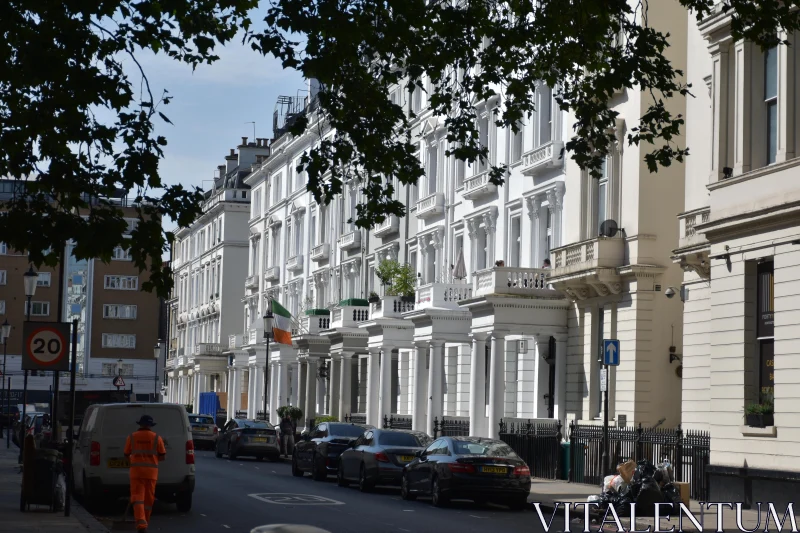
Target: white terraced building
<point x="512" y="340"/>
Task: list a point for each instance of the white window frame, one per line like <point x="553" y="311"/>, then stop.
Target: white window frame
<point x="44" y="308"/>
<point x="3" y="248"/>
<point x="121" y="254"/>
<point x="2" y="307"/>
<point x="600" y="196"/>
<point x="120" y="311"/>
<point x="118" y="283"/>
<point x="125" y="341"/>
<point x="43" y="279"/>
<point x="3" y="277"/>
<point x="513" y="261"/>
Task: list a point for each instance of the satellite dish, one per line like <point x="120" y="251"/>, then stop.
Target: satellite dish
<point x="609" y="228"/>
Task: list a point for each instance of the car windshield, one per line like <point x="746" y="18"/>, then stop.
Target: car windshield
<point x="492" y="448"/>
<point x="201" y="419"/>
<point x="346" y="430"/>
<point x="403" y="439"/>
<point x="256" y="424"/>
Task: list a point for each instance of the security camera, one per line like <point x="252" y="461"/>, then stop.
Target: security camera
<point x="669" y="293"/>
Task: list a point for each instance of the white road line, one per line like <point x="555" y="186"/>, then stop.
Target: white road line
<point x="408" y="510"/>
<point x="401" y="529"/>
<point x="226" y="527"/>
<point x="201" y="514"/>
<point x="476" y="516"/>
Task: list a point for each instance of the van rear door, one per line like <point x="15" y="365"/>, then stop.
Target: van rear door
<point x="119" y="421"/>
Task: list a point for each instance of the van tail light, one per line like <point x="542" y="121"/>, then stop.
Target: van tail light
<point x="522" y="471"/>
<point x="461" y="468"/>
<point x="189" y="452"/>
<point x="381" y="457"/>
<point x="94" y="454"/>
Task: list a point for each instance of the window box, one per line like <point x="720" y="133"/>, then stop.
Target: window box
<point x="318" y="312"/>
<point x="760" y="420"/>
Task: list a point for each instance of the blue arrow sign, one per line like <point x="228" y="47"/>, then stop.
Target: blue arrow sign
<point x="611" y="352"/>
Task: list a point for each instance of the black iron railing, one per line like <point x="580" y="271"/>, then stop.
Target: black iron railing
<point x="687" y="451"/>
<point x="538" y="444"/>
<point x="397" y="422"/>
<point x="450" y="427"/>
<point x="355" y="419"/>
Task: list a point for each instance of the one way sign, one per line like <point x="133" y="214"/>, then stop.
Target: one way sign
<point x="611" y="352"/>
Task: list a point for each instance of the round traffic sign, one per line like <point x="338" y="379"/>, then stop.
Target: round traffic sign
<point x="46" y="346"/>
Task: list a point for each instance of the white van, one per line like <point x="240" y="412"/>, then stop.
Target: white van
<point x="99" y="466"/>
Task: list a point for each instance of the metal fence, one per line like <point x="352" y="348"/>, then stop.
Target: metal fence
<point x="450" y="427"/>
<point x="355" y="418"/>
<point x="538" y="444"/>
<point x="397" y="422"/>
<point x="687" y="451"/>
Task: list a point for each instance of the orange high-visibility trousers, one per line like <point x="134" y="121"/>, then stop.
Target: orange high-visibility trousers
<point x="143" y="494"/>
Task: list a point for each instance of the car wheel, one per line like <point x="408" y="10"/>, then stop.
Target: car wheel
<point x="317" y="473"/>
<point x="340" y="480"/>
<point x="184" y="501"/>
<point x="296" y="472"/>
<point x="405" y="491"/>
<point x="519" y="503"/>
<point x="437" y="498"/>
<point x="364" y="484"/>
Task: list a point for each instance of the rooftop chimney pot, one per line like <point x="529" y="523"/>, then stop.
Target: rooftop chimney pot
<point x="244" y="141"/>
<point x="233" y="152"/>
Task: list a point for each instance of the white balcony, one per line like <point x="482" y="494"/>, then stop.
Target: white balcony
<point x="389" y="307"/>
<point x="234" y="341"/>
<point x="251" y="282"/>
<point x="255" y="335"/>
<point x="442" y="295"/>
<point x="312" y="325"/>
<point x="600" y="252"/>
<point x="272" y="273"/>
<point x="173" y="343"/>
<point x="181" y="360"/>
<point x="546" y="156"/>
<point x="391" y="224"/>
<point x="688" y="236"/>
<point x="478" y="186"/>
<point x="208" y="348"/>
<point x="295" y="263"/>
<point x="511" y="280"/>
<point x="351" y="240"/>
<point x="349" y="316"/>
<point x="431" y="206"/>
<point x="320" y="252"/>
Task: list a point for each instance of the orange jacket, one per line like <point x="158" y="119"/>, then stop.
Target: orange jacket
<point x="144" y="449"/>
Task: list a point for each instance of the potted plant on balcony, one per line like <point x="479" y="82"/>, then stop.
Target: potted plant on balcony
<point x="398" y="279"/>
<point x="373" y="297"/>
<point x="759" y="415"/>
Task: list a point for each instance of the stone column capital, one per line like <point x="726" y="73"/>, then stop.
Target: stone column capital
<point x="479" y="337"/>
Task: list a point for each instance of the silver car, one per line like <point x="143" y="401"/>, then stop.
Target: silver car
<point x="204" y="431"/>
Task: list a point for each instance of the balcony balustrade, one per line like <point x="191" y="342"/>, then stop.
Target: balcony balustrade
<point x="350" y="240"/>
<point x="688" y="235"/>
<point x="511" y="280"/>
<point x="390" y="224"/>
<point x="442" y="295"/>
<point x="234" y="341"/>
<point x="272" y="273"/>
<point x="312" y="325"/>
<point x="548" y="155"/>
<point x="208" y="348"/>
<point x="349" y="316"/>
<point x="431" y="205"/>
<point x="599" y="252"/>
<point x="389" y="307"/>
<point x="251" y="282"/>
<point x="478" y="186"/>
<point x="320" y="252"/>
<point x="295" y="263"/>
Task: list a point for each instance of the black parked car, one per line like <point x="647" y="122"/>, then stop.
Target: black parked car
<point x="378" y="456"/>
<point x="318" y="451"/>
<point x="254" y="438"/>
<point x="469" y="468"/>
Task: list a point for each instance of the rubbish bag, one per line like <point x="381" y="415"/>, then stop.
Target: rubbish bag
<point x="649" y="495"/>
<point x="60" y="493"/>
<point x="626" y="470"/>
<point x="594" y="498"/>
<point x="644" y="470"/>
<point x="611" y="483"/>
<point x="671" y="494"/>
<point x="665" y="469"/>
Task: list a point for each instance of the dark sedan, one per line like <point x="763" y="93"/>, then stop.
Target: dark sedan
<point x="253" y="438"/>
<point x="318" y="451"/>
<point x="378" y="456"/>
<point x="468" y="468"/>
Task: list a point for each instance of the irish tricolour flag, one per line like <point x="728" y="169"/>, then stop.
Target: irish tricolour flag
<point x="282" y="325"/>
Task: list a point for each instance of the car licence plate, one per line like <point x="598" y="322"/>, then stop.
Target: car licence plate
<point x="118" y="463"/>
<point x="406" y="458"/>
<point x="493" y="470"/>
<point x="258" y="439"/>
<point x="201" y="428"/>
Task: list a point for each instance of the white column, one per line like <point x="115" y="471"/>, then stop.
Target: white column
<point x="334" y="369"/>
<point x="497" y="383"/>
<point x="373" y="384"/>
<point x="251" y="392"/>
<point x="345" y="385"/>
<point x="283" y="381"/>
<point x="259" y="379"/>
<point x="743" y="52"/>
<point x="404" y="377"/>
<point x="560" y="411"/>
<point x="295" y="399"/>
<point x="542" y="377"/>
<point x="273" y="392"/>
<point x="385" y="392"/>
<point x="435" y="384"/>
<point x="464" y="356"/>
<point x="303" y="378"/>
<point x="786" y="96"/>
<point x="237" y="391"/>
<point x="311" y="389"/>
<point x="510" y="368"/>
<point x="198" y="384"/>
<point x="361" y="386"/>
<point x="719" y="108"/>
<point x="451" y="379"/>
<point x="321" y="394"/>
<point x="477" y="389"/>
<point x="420" y="401"/>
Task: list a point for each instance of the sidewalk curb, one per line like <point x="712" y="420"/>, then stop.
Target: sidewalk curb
<point x="86" y="519"/>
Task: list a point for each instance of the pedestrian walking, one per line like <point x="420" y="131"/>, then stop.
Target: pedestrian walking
<point x="144" y="450"/>
<point x="287" y="435"/>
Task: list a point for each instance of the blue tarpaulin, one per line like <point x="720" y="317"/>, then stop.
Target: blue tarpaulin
<point x="209" y="403"/>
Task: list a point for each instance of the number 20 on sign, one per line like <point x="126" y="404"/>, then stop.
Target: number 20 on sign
<point x="46" y="346"/>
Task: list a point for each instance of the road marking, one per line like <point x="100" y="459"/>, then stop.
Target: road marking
<point x="226" y="527"/>
<point x="201" y="514"/>
<point x="283" y="498"/>
<point x="401" y="529"/>
<point x="476" y="516"/>
<point x="408" y="510"/>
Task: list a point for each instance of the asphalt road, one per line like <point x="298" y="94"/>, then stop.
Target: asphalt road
<point x="236" y="496"/>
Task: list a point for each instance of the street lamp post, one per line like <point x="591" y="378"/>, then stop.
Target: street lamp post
<point x="156" y="355"/>
<point x="5" y="332"/>
<point x="268" y="321"/>
<point x="29" y="280"/>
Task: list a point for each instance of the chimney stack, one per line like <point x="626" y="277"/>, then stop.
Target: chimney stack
<point x="233" y="152"/>
<point x="244" y="141"/>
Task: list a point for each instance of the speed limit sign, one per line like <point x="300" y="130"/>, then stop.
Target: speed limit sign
<point x="46" y="346"/>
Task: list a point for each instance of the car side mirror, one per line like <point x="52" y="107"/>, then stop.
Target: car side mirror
<point x="418" y="453"/>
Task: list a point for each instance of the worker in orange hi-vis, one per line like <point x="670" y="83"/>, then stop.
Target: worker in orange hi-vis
<point x="144" y="449"/>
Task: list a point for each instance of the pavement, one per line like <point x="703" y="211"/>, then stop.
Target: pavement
<point x="38" y="519"/>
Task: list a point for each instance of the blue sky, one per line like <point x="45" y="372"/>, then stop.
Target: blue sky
<point x="211" y="106"/>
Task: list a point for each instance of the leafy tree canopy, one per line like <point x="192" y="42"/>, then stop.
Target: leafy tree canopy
<point x="62" y="60"/>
